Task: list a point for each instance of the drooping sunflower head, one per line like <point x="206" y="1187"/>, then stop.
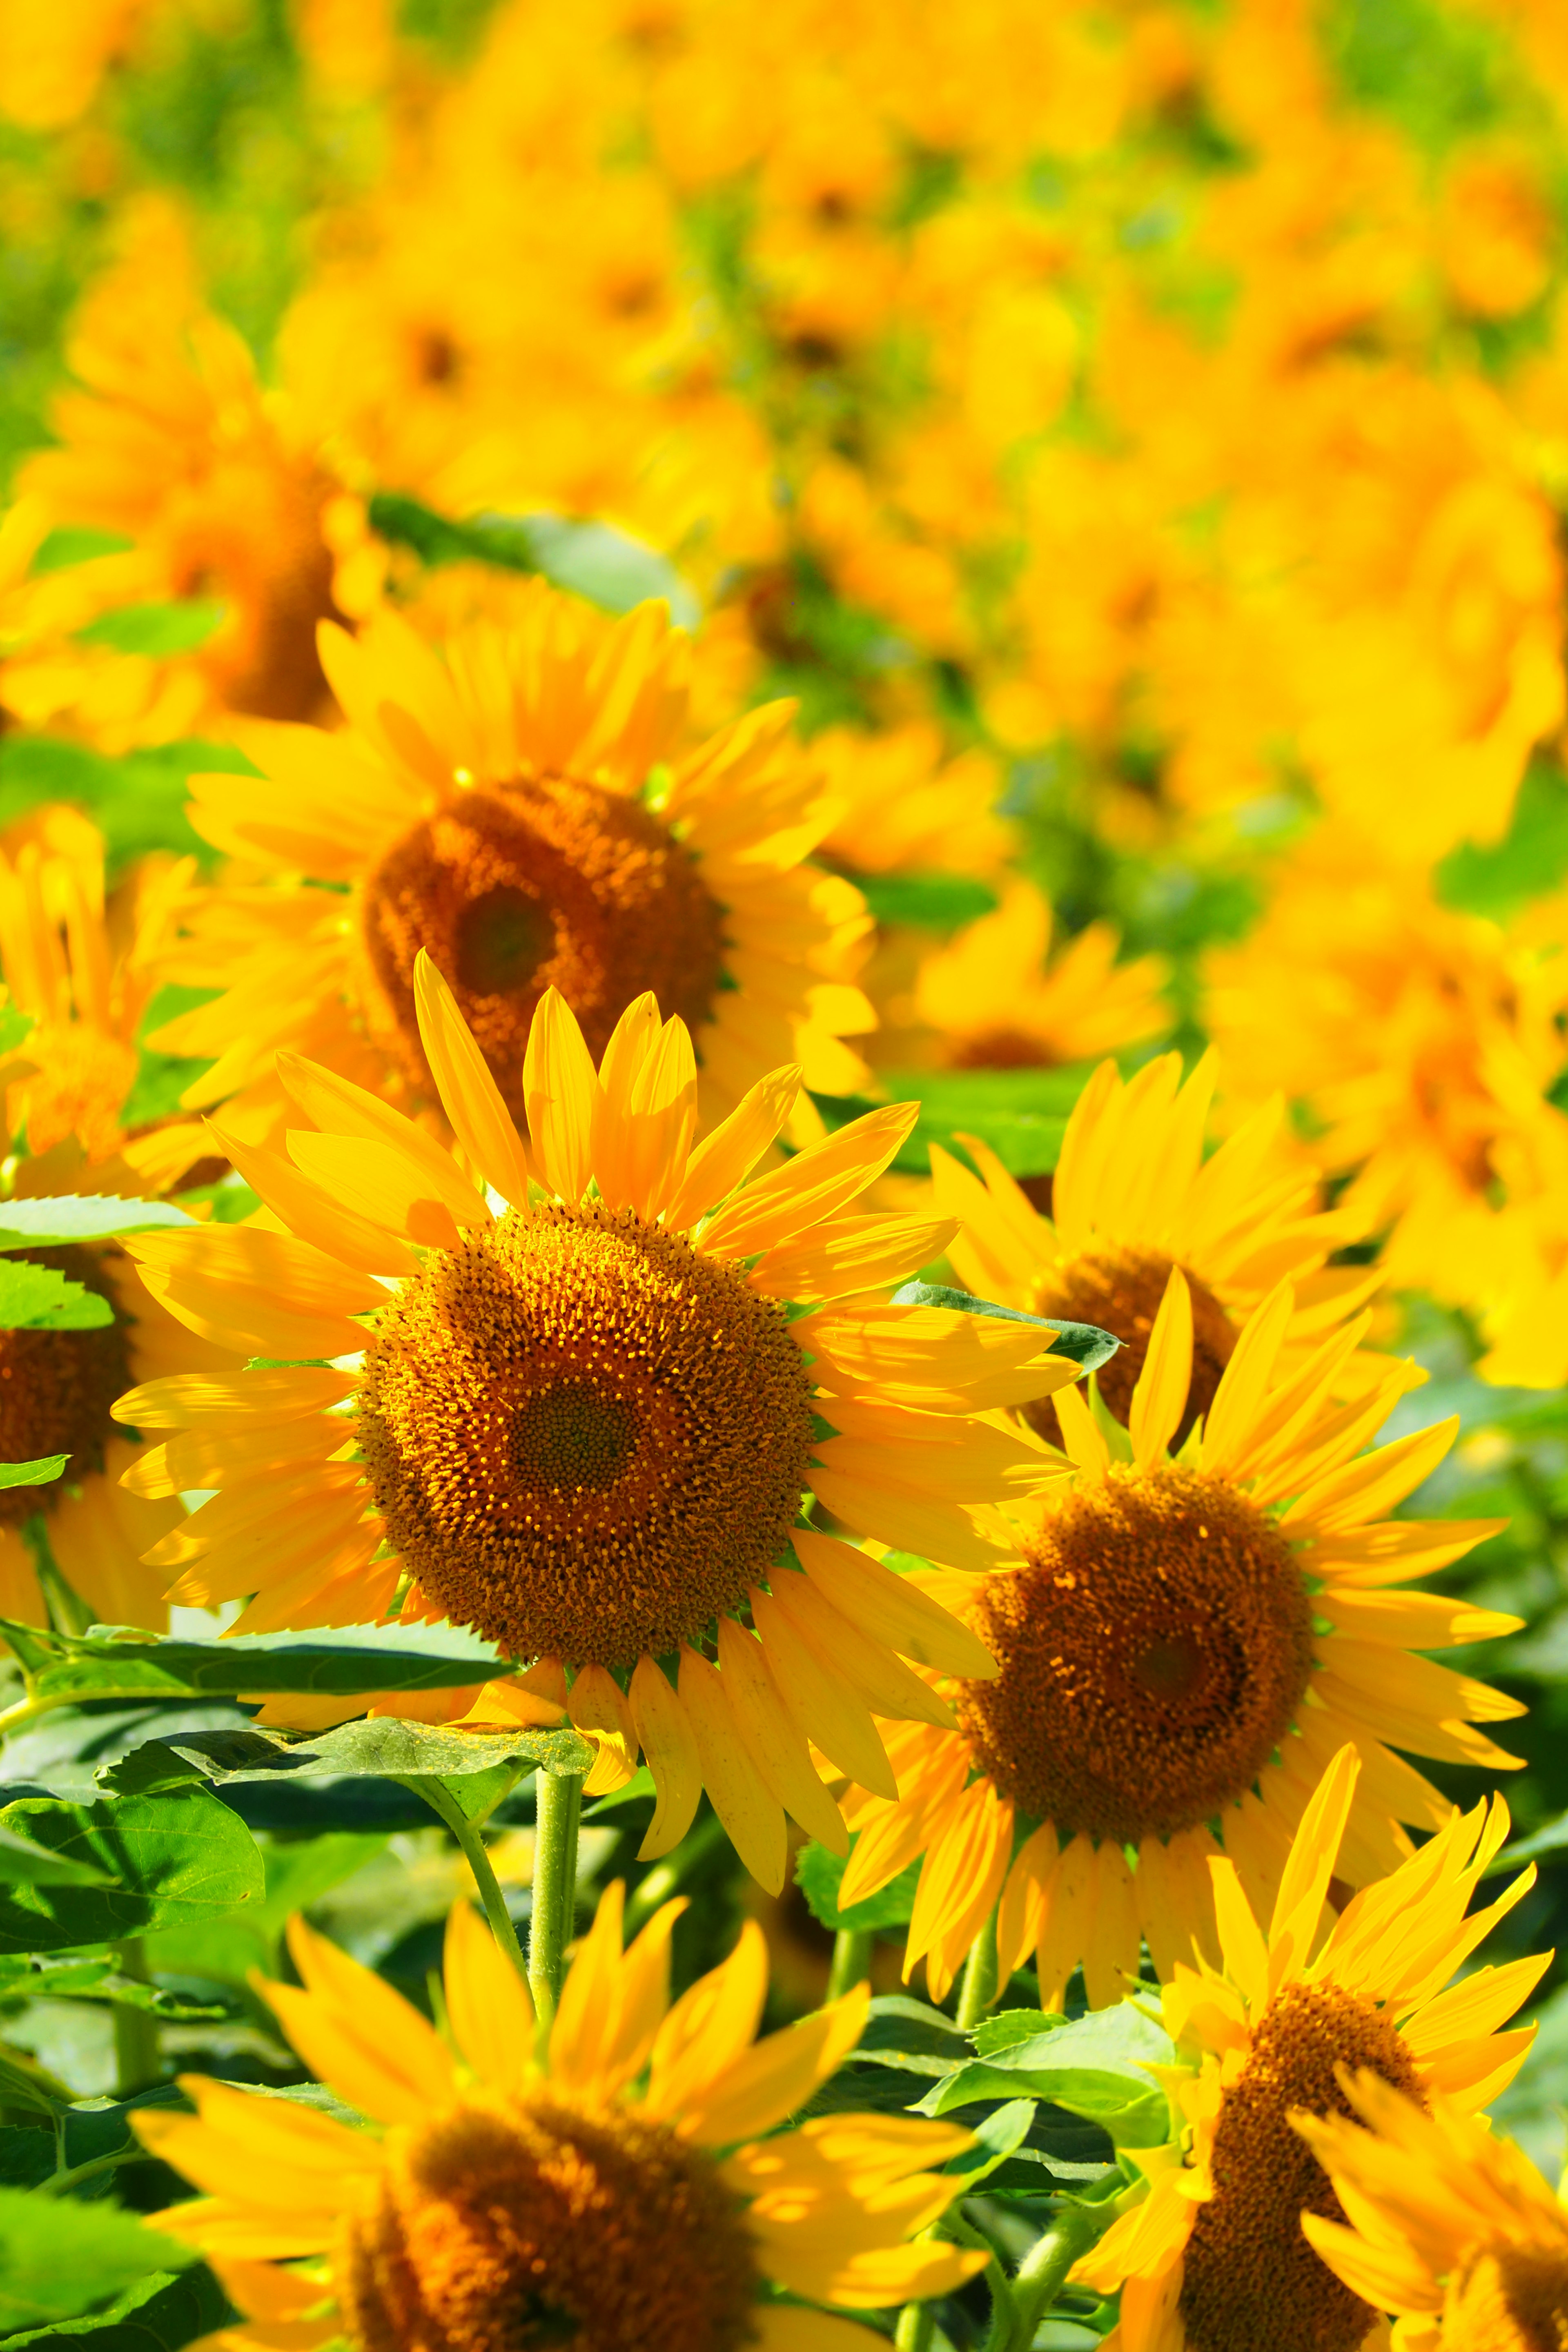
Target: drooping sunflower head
<point x="533" y="807"/>
<point x="1223" y="2250"/>
<point x="614" y="2194"/>
<point x="591" y="1408"/>
<point x="1451" y="2228"/>
<point x="1189" y="1639"/>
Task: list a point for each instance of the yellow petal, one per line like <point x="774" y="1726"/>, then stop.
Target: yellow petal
<point x="882" y="1680"/>
<point x="388" y="1185"/>
<point x="356" y="2033"/>
<point x="734" y="1148"/>
<point x="598" y="1707"/>
<point x="835" y="1717"/>
<point x="590" y="2004"/>
<point x="752" y="1815"/>
<point x="481" y="1120"/>
<point x="664" y="1729"/>
<point x="778" y="1743"/>
<point x="708" y="2028"/>
<point x="891" y="1608"/>
<point x="345" y="1233"/>
<point x="759" y="2088"/>
<point x="337" y="1106"/>
<point x="1241" y="1939"/>
<point x="560" y="1089"/>
<point x="488" y="2004"/>
<point x="1159" y="1398"/>
<point x="813" y="1185"/>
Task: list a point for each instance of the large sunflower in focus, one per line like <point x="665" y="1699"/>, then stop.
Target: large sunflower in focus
<point x="74" y="964"/>
<point x="625" y="2188"/>
<point x="529" y="805"/>
<point x="580" y="1408"/>
<point x="1189" y="1642"/>
<point x="1133" y="1196"/>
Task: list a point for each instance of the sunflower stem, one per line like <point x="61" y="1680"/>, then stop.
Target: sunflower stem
<point x="978" y="1992"/>
<point x="1041" y="2275"/>
<point x="664" y="1879"/>
<point x="916" y="2325"/>
<point x="444" y="1806"/>
<point x="558" y="1799"/>
<point x="851" y="1962"/>
<point x="138" y="2062"/>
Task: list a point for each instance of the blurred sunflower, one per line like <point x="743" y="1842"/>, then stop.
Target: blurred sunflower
<point x="1213" y="2255"/>
<point x="531" y="810"/>
<point x="1133" y="1196"/>
<point x="1190" y="1641"/>
<point x="504" y="2197"/>
<point x="585" y="1422"/>
<point x="77" y="967"/>
<point x="996" y="1002"/>
<point x="1452" y="2230"/>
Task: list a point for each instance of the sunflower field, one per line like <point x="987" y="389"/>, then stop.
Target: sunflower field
<point x="783" y="1226"/>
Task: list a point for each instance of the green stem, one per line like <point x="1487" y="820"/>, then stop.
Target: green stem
<point x="916" y="2325"/>
<point x="27" y="1711"/>
<point x="664" y="1879"/>
<point x="1042" y="2274"/>
<point x="851" y="1962"/>
<point x="558" y="1798"/>
<point x="137" y="2059"/>
<point x="978" y="1992"/>
<point x="59" y="2182"/>
<point x="442" y="1804"/>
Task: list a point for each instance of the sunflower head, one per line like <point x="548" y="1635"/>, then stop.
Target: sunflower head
<point x="622" y="2186"/>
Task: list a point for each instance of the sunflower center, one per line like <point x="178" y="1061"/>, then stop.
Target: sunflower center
<point x="56" y="1389"/>
<point x="1251" y="2278"/>
<point x="1120" y="1289"/>
<point x="1511" y="2299"/>
<point x="1153" y="1654"/>
<point x="534" y="885"/>
<point x="520" y="2225"/>
<point x="584" y="1438"/>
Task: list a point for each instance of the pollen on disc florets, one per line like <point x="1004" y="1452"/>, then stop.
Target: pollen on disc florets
<point x="1510" y="2298"/>
<point x="1154" y="1653"/>
<point x="1251" y="2278"/>
<point x="519" y="888"/>
<point x="519" y="2224"/>
<point x="1120" y="1289"/>
<point x="585" y="1438"/>
<point x="57" y="1387"/>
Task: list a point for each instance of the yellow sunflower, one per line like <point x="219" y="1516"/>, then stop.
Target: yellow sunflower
<point x="76" y="964"/>
<point x="995" y="1005"/>
<point x="1133" y="1196"/>
<point x="1190" y="1642"/>
<point x="1213" y="2258"/>
<point x="1452" y="2230"/>
<point x="628" y="2189"/>
<point x="532" y="809"/>
<point x="579" y="1409"/>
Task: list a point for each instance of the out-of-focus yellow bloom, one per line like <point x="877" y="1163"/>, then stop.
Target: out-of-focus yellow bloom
<point x="996" y="1002"/>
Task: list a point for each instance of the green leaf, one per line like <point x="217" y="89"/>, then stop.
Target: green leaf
<point x="48" y="1467"/>
<point x="338" y="1662"/>
<point x="155" y="630"/>
<point x="84" y="1217"/>
<point x="137" y="801"/>
<point x="32" y="1977"/>
<point x="818" y="1875"/>
<point x="72" y="543"/>
<point x="1006" y="2026"/>
<point x="592" y="559"/>
<point x="158" y="2313"/>
<point x="59" y="2256"/>
<point x="39" y="1299"/>
<point x="1021" y="1114"/>
<point x="911" y="2037"/>
<point x="380" y="1746"/>
<point x="1095" y="2068"/>
<point x="224" y="1951"/>
<point x="21" y="1861"/>
<point x="179" y="1858"/>
<point x="997" y="2135"/>
<point x="16" y="1027"/>
<point x="936" y="902"/>
<point x="1086" y="1343"/>
<point x="641" y="1784"/>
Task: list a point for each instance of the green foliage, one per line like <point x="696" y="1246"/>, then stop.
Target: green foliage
<point x="80" y="1217"/>
<point x="41" y="1472"/>
<point x="933" y="902"/>
<point x="59" y="2257"/>
<point x="172" y="1860"/>
<point x="224" y="1951"/>
<point x="1096" y="2068"/>
<point x="1085" y="1343"/>
<point x="1021" y="1114"/>
<point x="818" y="1875"/>
<point x="138" y="801"/>
<point x="123" y="1661"/>
<point x="1497" y="879"/>
<point x="157" y="631"/>
<point x="39" y="1298"/>
<point x="156" y="2313"/>
<point x="372" y="1748"/>
<point x="25" y="1863"/>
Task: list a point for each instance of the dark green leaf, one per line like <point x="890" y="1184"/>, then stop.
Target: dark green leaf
<point x="379" y="1747"/>
<point x="122" y="1661"/>
<point x="224" y="1951"/>
<point x="911" y="2036"/>
<point x="178" y="1859"/>
<point x="86" y="1217"/>
<point x="37" y="1298"/>
<point x="158" y="2313"/>
<point x="1086" y="1343"/>
<point x="22" y="1861"/>
<point x="41" y="1472"/>
<point x="1006" y="2026"/>
<point x="155" y="630"/>
<point x="59" y="2256"/>
<point x="818" y="1875"/>
<point x="1096" y="2068"/>
<point x="997" y="2135"/>
<point x="28" y="1976"/>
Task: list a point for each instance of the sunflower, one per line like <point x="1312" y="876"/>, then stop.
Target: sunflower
<point x="628" y="2190"/>
<point x="1452" y="2230"/>
<point x="74" y="964"/>
<point x="579" y="1412"/>
<point x="530" y="809"/>
<point x="1133" y="1196"/>
<point x="1212" y="2258"/>
<point x="994" y="1004"/>
<point x="1190" y="1642"/>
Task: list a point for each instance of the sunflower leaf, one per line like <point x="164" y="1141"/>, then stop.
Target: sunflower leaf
<point x="1086" y="1343"/>
<point x="818" y="1874"/>
<point x="40" y="1298"/>
<point x="337" y="1662"/>
<point x="40" y="1473"/>
<point x="80" y="1217"/>
<point x="24" y="1863"/>
<point x="59" y="2256"/>
<point x="379" y="1747"/>
<point x="174" y="1859"/>
<point x="1096" y="2067"/>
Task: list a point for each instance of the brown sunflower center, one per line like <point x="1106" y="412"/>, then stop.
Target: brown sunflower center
<point x="586" y="1439"/>
<point x="56" y="1389"/>
<point x="529" y="886"/>
<point x="1153" y="1654"/>
<point x="517" y="2225"/>
<point x="1511" y="2299"/>
<point x="1251" y="2278"/>
<point x="1120" y="1289"/>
